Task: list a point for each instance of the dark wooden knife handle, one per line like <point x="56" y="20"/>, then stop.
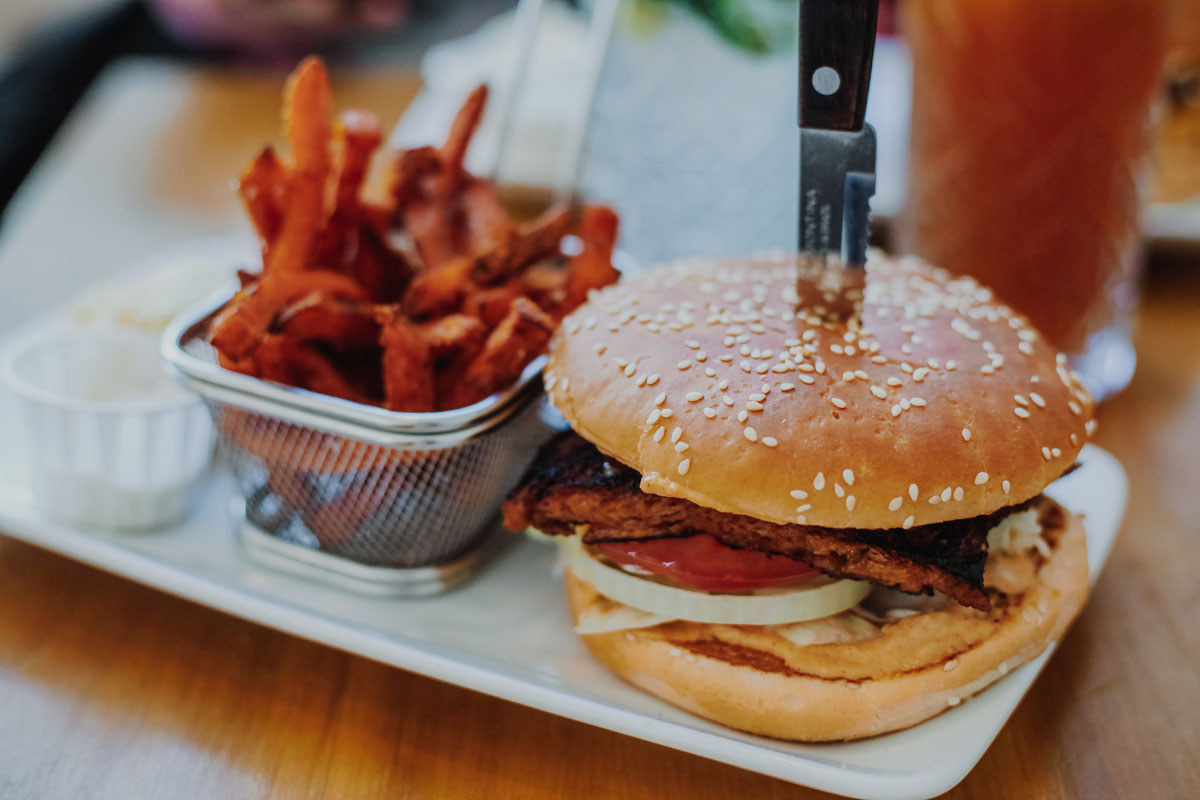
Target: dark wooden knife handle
<point x="837" y="43"/>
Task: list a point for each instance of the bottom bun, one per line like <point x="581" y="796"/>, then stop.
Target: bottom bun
<point x="753" y="679"/>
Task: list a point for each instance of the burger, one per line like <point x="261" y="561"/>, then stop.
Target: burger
<point x="807" y="529"/>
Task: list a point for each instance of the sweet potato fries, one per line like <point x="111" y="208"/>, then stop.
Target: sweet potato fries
<point x="432" y="299"/>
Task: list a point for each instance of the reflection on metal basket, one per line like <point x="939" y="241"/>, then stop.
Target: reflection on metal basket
<point x="372" y="503"/>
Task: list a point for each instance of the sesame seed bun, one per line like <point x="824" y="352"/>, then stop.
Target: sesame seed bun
<point x="754" y="680"/>
<point x="942" y="404"/>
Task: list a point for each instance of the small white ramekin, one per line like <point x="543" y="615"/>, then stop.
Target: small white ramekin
<point x="113" y="443"/>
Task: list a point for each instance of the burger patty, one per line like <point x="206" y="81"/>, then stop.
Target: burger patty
<point x="571" y="484"/>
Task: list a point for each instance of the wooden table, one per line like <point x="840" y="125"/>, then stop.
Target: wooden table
<point x="111" y="690"/>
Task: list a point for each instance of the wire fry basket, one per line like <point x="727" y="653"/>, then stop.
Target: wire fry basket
<point x="376" y="501"/>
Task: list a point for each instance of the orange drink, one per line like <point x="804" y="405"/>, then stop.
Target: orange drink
<point x="1030" y="134"/>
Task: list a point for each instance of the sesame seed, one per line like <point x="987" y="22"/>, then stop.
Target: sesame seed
<point x="685" y="364"/>
<point x="710" y="372"/>
<point x="761" y="369"/>
<point x="1054" y="451"/>
<point x="681" y="447"/>
<point x="654" y="417"/>
<point x="951" y="365"/>
<point x="743" y="415"/>
<point x="653" y="380"/>
<point x="953" y="701"/>
<point x="803" y="508"/>
<point x="1020" y="412"/>
<point x="630" y="371"/>
<point x="905" y="404"/>
<point x="758" y="398"/>
<point x="837" y="402"/>
<point x="1026" y="348"/>
<point x="895" y="504"/>
<point x="862" y="376"/>
<point x="1006" y="486"/>
<point x="966" y="434"/>
<point x="1089" y="427"/>
<point x="754" y="406"/>
<point x="694" y="397"/>
<point x="691" y="344"/>
<point x="550" y="382"/>
<point x="908" y="521"/>
<point x="1075" y="408"/>
<point x="919" y="374"/>
<point x="896" y="410"/>
<point x="684" y="466"/>
<point x="745" y="365"/>
<point x="724" y="384"/>
<point x="621" y="363"/>
<point x="947" y="493"/>
<point x="933" y="501"/>
<point x="981" y="479"/>
<point x="838" y="490"/>
<point x="879" y="392"/>
<point x="950" y="665"/>
<point x="710" y="412"/>
<point x="958" y="494"/>
<point x="659" y="432"/>
<point x="819" y="481"/>
<point x="676" y="434"/>
<point x="770" y="441"/>
<point x="1037" y="399"/>
<point x="850" y="503"/>
<point x="668" y="413"/>
<point x="919" y="402"/>
<point x="641" y="381"/>
<point x="848" y="476"/>
<point x="848" y="376"/>
<point x="726" y="399"/>
<point x="750" y="434"/>
<point x="913" y="492"/>
<point x="801" y="519"/>
<point x="1046" y="453"/>
<point x="1020" y="399"/>
<point x="799" y="494"/>
<point x="662" y="398"/>
<point x="808" y="380"/>
<point x="599" y="348"/>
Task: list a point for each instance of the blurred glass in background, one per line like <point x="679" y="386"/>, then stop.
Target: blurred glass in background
<point x="1031" y="135"/>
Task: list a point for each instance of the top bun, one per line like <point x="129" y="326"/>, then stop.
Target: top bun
<point x="941" y="403"/>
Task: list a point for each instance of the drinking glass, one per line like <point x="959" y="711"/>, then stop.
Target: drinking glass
<point x="1029" y="147"/>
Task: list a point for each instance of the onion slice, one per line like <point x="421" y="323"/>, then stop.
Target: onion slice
<point x="813" y="599"/>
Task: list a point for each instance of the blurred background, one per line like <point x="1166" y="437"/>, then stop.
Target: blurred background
<point x="153" y="106"/>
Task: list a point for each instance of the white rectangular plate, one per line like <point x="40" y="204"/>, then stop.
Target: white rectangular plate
<point x="507" y="634"/>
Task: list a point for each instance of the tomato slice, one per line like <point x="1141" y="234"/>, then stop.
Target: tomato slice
<point x="702" y="562"/>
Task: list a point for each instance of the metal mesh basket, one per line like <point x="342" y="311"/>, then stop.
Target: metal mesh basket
<point x="359" y="484"/>
<point x="372" y="503"/>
